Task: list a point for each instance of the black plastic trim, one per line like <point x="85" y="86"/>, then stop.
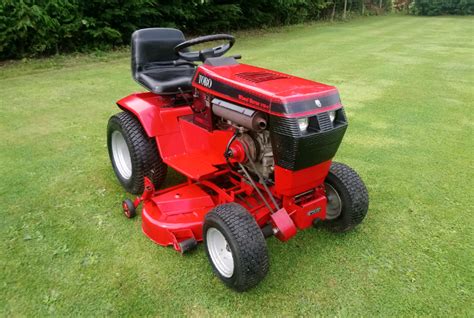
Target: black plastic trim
<point x="295" y="149"/>
<point x="306" y="105"/>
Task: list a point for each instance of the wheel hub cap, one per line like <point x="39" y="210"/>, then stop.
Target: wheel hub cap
<point x="220" y="252"/>
<point x="334" y="204"/>
<point x="121" y="155"/>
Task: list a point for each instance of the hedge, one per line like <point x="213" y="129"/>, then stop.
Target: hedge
<point x="42" y="27"/>
<point x="440" y="7"/>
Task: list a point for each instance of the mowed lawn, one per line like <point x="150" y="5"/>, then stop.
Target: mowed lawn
<point x="408" y="87"/>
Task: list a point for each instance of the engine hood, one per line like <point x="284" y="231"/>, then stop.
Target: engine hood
<point x="270" y="91"/>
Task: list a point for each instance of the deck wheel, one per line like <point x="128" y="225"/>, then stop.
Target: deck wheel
<point x="129" y="208"/>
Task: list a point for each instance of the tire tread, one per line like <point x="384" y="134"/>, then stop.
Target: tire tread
<point x="146" y="160"/>
<point x="251" y="244"/>
<point x="357" y="198"/>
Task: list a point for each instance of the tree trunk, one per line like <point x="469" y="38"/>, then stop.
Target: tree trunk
<point x="380" y="4"/>
<point x="333" y="11"/>
<point x="345" y="10"/>
<point x="363" y="7"/>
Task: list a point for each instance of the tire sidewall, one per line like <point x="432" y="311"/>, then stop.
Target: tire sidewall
<point x="213" y="222"/>
<point x="346" y="201"/>
<point x="114" y="125"/>
<point x="145" y="156"/>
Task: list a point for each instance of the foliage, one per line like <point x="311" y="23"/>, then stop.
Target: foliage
<point x="439" y="7"/>
<point x="42" y="27"/>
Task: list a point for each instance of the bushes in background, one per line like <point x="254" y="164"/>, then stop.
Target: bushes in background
<point x="30" y="27"/>
<point x="41" y="27"/>
<point x="439" y="7"/>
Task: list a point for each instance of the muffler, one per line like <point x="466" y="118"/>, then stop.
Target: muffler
<point x="246" y="117"/>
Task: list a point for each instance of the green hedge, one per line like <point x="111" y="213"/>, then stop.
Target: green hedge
<point x="42" y="27"/>
<point x="440" y="7"/>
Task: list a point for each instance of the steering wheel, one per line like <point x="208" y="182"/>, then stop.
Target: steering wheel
<point x="202" y="55"/>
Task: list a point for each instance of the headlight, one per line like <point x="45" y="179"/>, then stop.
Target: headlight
<point x="303" y="123"/>
<point x="332" y="115"/>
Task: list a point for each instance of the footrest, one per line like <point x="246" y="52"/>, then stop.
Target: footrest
<point x="195" y="165"/>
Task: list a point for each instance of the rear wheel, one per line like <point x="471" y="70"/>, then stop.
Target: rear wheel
<point x="235" y="246"/>
<point x="133" y="154"/>
<point x="347" y="198"/>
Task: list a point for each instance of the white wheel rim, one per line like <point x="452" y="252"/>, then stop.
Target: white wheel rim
<point x="220" y="252"/>
<point x="334" y="203"/>
<point x="121" y="155"/>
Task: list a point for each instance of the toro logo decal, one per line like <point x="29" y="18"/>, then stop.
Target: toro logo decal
<point x="204" y="81"/>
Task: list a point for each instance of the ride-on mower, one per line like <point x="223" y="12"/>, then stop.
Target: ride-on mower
<point x="255" y="145"/>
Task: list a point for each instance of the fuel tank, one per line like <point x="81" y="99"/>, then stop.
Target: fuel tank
<point x="270" y="91"/>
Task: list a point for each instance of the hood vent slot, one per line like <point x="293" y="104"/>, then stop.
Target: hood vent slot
<point x="258" y="77"/>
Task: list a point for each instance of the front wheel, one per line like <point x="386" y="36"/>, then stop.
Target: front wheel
<point x="347" y="198"/>
<point x="235" y="246"/>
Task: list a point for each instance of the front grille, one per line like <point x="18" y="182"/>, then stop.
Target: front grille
<point x="296" y="150"/>
<point x="324" y="121"/>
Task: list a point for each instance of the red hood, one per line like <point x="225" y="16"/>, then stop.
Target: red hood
<point x="271" y="90"/>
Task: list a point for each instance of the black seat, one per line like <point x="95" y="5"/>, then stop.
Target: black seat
<point x="153" y="56"/>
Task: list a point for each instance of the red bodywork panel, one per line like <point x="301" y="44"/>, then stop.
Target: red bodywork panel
<point x="264" y="90"/>
<point x="153" y="112"/>
<point x="290" y="183"/>
<point x="177" y="214"/>
<point x="186" y="147"/>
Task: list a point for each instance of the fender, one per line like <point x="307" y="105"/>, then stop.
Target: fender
<point x="149" y="108"/>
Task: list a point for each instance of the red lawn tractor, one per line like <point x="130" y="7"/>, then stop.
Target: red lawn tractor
<point x="255" y="145"/>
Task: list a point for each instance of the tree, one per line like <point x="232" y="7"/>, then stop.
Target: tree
<point x="333" y="11"/>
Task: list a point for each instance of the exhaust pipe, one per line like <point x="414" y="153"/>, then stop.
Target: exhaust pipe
<point x="246" y="117"/>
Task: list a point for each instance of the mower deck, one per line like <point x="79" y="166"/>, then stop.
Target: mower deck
<point x="175" y="216"/>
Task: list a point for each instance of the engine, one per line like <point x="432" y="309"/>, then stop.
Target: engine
<point x="254" y="135"/>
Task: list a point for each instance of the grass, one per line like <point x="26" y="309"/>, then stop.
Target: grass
<point x="407" y="84"/>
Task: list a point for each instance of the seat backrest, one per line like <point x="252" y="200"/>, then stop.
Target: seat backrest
<point x="154" y="45"/>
